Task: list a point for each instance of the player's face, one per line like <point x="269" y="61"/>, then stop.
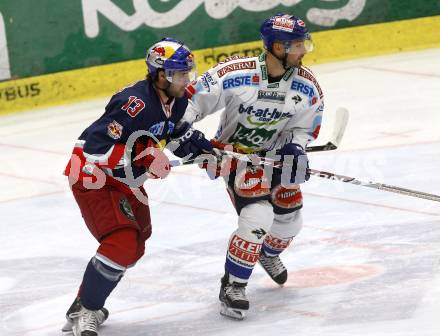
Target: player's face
<point x="296" y="51"/>
<point x="179" y="80"/>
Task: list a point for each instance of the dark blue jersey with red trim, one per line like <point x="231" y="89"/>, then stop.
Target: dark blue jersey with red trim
<point x="135" y="116"/>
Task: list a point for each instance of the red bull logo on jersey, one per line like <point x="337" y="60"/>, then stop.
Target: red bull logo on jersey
<point x="114" y="130"/>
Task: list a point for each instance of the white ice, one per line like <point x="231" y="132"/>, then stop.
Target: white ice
<point x="367" y="262"/>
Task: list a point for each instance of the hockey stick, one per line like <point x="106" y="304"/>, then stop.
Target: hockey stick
<point x="375" y="185"/>
<point x="339" y="125"/>
<point x="256" y="160"/>
<point x="338" y="131"/>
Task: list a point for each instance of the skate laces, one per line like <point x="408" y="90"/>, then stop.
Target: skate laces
<point x="273" y="265"/>
<point x="87" y="319"/>
<point x="235" y="292"/>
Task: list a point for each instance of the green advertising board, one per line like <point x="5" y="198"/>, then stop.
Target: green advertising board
<point x="46" y="36"/>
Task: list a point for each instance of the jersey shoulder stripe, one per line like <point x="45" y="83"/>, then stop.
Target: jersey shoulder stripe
<point x="308" y="74"/>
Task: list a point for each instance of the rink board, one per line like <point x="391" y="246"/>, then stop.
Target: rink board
<point x="99" y="81"/>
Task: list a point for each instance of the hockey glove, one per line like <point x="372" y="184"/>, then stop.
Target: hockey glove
<point x="191" y="142"/>
<point x="153" y="159"/>
<point x="295" y="162"/>
<point x="220" y="165"/>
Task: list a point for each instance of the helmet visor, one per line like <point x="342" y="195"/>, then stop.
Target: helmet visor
<point x="299" y="46"/>
<point x="181" y="77"/>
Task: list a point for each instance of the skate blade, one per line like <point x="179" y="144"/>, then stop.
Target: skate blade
<point x="67" y="329"/>
<point x="237" y="314"/>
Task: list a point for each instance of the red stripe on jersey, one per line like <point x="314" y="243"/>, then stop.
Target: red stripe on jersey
<point x="316" y="131"/>
<point x="190" y="91"/>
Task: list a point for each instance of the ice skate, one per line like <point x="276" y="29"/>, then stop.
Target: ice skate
<point x="234" y="302"/>
<point x="274" y="267"/>
<point x="101" y="316"/>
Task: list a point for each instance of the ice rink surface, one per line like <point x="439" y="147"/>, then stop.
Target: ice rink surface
<point x="367" y="262"/>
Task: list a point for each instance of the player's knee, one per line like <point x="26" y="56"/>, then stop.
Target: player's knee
<point x="255" y="220"/>
<point x="286" y="200"/>
<point x="287" y="225"/>
<point x="121" y="247"/>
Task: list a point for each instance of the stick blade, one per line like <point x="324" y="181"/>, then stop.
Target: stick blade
<point x="341" y="121"/>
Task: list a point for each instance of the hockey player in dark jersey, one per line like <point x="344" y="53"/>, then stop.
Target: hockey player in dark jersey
<point x="111" y="160"/>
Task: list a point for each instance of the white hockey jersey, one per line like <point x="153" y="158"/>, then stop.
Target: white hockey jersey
<point x="257" y="115"/>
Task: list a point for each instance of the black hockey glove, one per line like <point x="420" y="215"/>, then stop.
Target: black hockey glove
<point x="191" y="142"/>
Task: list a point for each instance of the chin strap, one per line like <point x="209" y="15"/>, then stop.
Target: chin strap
<point x="164" y="90"/>
<point x="282" y="60"/>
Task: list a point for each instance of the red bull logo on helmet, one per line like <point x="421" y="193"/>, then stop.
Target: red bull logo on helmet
<point x="160" y="51"/>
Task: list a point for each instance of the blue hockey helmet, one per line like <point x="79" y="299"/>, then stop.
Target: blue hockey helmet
<point x="285" y="28"/>
<point x="172" y="56"/>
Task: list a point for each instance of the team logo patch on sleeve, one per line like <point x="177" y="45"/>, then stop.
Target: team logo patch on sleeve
<point x="207" y="81"/>
<point x="114" y="130"/>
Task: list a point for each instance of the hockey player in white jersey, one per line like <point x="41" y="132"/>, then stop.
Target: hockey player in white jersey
<point x="271" y="104"/>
